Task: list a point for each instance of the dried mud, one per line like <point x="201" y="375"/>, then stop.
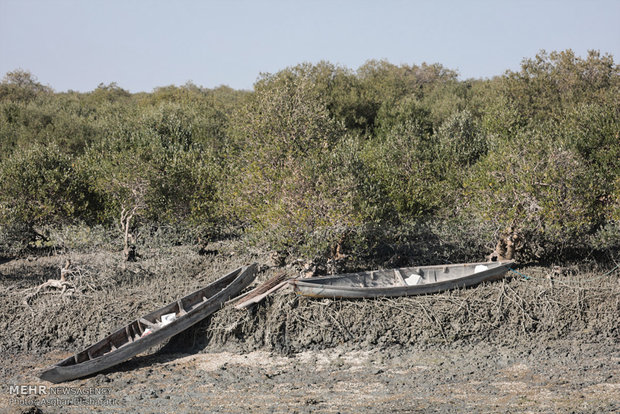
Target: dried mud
<point x="516" y="345"/>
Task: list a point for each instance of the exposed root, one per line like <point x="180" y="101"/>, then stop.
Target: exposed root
<point x="507" y="245"/>
<point x="62" y="286"/>
<point x="56" y="285"/>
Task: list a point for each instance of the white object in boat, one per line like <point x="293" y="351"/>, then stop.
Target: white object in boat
<point x="167" y="318"/>
<point x="414" y="279"/>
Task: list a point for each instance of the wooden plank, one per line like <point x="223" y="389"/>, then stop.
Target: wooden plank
<point x="99" y="346"/>
<point x="399" y="278"/>
<point x="129" y="335"/>
<point x="258" y="298"/>
<point x="434" y="275"/>
<point x="147" y="323"/>
<point x="261" y="289"/>
<point x="182" y="310"/>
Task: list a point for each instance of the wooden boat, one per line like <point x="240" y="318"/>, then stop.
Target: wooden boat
<point x="151" y="329"/>
<point x="400" y="282"/>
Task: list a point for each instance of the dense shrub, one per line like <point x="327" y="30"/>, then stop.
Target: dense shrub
<point x="320" y="160"/>
<point x="42" y="185"/>
<point x="536" y="187"/>
<point x="287" y="174"/>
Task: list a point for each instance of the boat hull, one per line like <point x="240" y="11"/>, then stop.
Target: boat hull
<point x="321" y="287"/>
<point x="235" y="282"/>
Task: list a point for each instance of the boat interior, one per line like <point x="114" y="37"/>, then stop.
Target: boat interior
<point x="406" y="276"/>
<point x="136" y="330"/>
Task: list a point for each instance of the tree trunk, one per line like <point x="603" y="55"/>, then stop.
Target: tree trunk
<point x="506" y="246"/>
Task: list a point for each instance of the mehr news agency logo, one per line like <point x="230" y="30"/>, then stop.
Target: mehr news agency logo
<point x="42" y="395"/>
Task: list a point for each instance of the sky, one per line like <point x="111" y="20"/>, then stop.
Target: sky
<point x="144" y="44"/>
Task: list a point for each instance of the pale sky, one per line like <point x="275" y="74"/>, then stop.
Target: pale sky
<point x="142" y="44"/>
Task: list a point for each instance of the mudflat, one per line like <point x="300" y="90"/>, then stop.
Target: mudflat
<point x="546" y="344"/>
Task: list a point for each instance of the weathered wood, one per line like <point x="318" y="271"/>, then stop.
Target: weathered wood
<point x="399" y="278"/>
<point x="260" y="297"/>
<point x="147" y="323"/>
<point x="182" y="310"/>
<point x="432" y="276"/>
<point x="95" y="358"/>
<point x="128" y="332"/>
<point x="384" y="283"/>
<point x="262" y="290"/>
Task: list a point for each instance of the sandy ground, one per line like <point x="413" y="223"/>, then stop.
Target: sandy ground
<point x="510" y="346"/>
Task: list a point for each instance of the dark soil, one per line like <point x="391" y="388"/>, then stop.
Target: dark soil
<point x="546" y="344"/>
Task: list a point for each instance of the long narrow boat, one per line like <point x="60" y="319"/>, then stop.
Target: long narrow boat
<point x="400" y="282"/>
<point x="151" y="329"/>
